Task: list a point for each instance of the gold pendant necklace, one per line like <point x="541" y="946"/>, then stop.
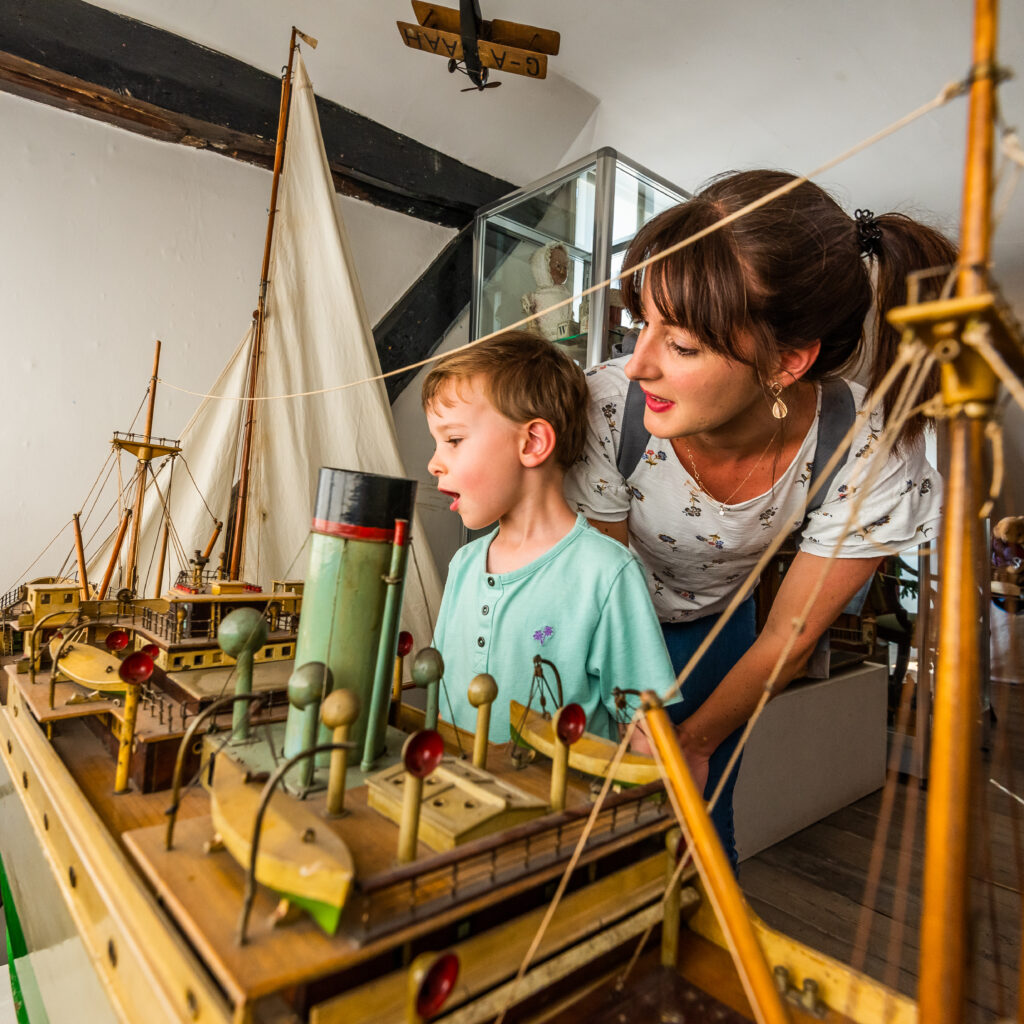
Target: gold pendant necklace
<point x="700" y="483"/>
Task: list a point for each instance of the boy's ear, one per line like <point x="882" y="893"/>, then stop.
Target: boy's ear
<point x="538" y="443"/>
<point x="795" y="362"/>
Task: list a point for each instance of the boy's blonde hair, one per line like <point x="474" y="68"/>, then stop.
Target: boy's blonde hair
<point x="524" y="377"/>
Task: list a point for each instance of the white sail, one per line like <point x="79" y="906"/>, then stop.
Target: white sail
<point x="198" y="483"/>
<point x="316" y="333"/>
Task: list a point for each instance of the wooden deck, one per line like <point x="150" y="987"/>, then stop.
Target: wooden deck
<point x="812" y="885"/>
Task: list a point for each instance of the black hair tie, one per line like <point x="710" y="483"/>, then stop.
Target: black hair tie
<point x="869" y="233"/>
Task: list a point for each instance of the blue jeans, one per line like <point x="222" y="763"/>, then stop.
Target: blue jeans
<point x="682" y="639"/>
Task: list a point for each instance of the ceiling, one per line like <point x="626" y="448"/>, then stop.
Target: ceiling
<point x="687" y="89"/>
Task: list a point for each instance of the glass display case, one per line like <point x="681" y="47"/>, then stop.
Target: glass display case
<point x="551" y="240"/>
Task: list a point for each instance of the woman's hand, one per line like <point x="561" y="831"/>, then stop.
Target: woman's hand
<point x="696" y="760"/>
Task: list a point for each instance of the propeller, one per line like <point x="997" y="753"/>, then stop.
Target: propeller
<point x="478" y="85"/>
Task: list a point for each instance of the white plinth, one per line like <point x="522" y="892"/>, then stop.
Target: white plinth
<point x="818" y="746"/>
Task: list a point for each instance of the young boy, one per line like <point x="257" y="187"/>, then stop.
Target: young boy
<point x="508" y="419"/>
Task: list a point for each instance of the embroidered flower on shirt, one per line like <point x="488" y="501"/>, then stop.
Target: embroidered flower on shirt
<point x="926" y="486"/>
<point x="542" y="635"/>
<point x="872" y="526"/>
<point x="844" y="492"/>
<point x="767" y="516"/>
<point x="658" y="585"/>
<point x="652" y="458"/>
<point x="806" y="474"/>
<point x="907" y="488"/>
<point x="610" y="411"/>
<point x="635" y="492"/>
<point x="670" y="541"/>
<point x="924" y="530"/>
<point x="713" y="541"/>
<point x="861" y="452"/>
<point x="601" y="486"/>
<point x="692" y="510"/>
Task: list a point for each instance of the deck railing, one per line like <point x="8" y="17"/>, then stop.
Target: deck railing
<point x="424" y="888"/>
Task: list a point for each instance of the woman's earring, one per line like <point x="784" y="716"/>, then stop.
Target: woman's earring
<point x="779" y="409"/>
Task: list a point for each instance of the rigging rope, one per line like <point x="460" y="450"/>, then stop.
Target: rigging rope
<point x="202" y="497"/>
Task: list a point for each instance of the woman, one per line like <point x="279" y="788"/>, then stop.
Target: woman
<point x="737" y="330"/>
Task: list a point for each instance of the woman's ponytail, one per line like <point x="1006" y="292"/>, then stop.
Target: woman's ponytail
<point x="905" y="246"/>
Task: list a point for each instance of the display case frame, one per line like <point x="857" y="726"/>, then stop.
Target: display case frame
<point x="576" y="208"/>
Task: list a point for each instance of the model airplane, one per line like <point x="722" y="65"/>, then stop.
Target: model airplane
<point x="474" y="46"/>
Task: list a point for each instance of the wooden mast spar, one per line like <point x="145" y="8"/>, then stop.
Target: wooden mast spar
<point x="969" y="392"/>
<point x="259" y="320"/>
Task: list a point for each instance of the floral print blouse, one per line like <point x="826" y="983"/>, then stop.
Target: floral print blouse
<point x="696" y="555"/>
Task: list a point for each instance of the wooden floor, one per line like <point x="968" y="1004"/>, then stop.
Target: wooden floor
<point x="812" y="885"/>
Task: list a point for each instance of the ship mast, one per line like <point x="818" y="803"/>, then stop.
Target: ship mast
<point x="969" y="392"/>
<point x="145" y="449"/>
<point x="259" y="320"/>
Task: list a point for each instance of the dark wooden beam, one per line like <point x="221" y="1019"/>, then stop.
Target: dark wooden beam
<point x="83" y="58"/>
<point x="418" y="322"/>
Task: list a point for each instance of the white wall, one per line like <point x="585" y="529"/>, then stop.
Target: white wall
<point x="109" y="242"/>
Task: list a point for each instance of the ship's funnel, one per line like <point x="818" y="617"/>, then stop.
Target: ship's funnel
<point x="343" y="606"/>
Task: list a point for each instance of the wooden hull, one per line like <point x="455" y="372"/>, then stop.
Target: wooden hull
<point x="145" y="971"/>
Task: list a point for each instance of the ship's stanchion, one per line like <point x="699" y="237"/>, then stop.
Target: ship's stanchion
<point x="719" y="881"/>
<point x="432" y="978"/>
<point x="373" y="741"/>
<point x="134" y="671"/>
<point x="242" y="633"/>
<point x="421" y="754"/>
<point x="673" y="900"/>
<point x="338" y="712"/>
<point x="404" y="648"/>
<point x="570" y="723"/>
<point x="307" y="687"/>
<point x="427" y="670"/>
<point x="482" y="691"/>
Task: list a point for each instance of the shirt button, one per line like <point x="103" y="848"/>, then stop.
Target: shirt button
<point x="490" y="581"/>
<point x="485" y="609"/>
<point x="479" y="641"/>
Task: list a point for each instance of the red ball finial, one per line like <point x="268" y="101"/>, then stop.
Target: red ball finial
<point x="116" y="640"/>
<point x="404" y="643"/>
<point x="437" y="986"/>
<point x="572" y="721"/>
<point x="136" y="668"/>
<point x="422" y="752"/>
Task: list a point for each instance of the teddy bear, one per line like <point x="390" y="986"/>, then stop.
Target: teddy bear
<point x="550" y="266"/>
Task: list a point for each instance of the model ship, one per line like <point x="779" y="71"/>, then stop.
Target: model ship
<point x="359" y="860"/>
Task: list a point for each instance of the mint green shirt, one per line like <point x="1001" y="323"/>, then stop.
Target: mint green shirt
<point x="583" y="605"/>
